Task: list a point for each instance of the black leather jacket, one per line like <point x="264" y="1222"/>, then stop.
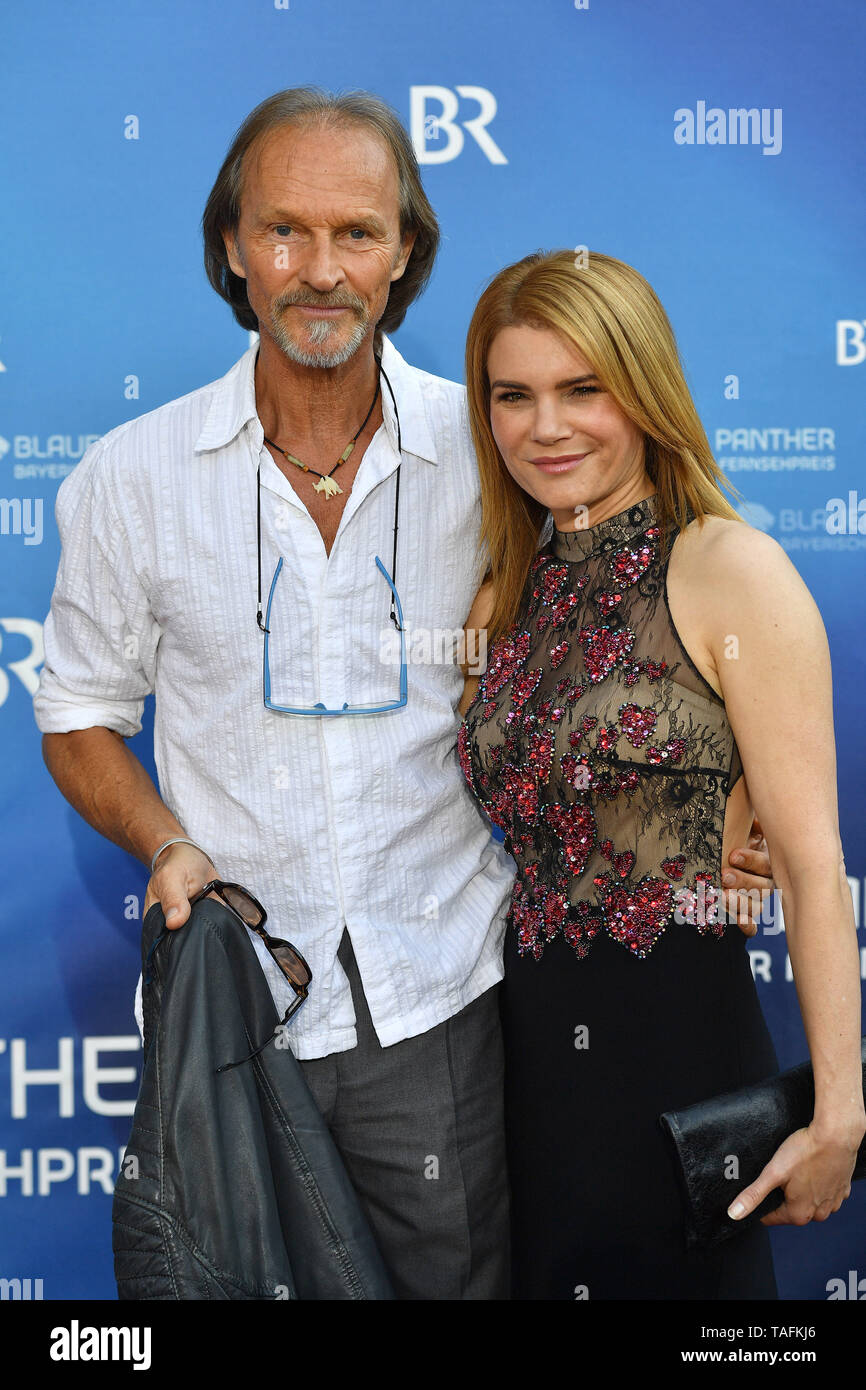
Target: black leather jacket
<point x="237" y="1189"/>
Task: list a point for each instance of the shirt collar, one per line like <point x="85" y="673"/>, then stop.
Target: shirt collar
<point x="233" y="404"/>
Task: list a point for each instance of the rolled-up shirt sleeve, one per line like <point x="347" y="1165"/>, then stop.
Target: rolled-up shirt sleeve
<point x="100" y="635"/>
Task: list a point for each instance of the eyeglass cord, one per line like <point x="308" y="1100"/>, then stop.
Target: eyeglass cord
<point x="396" y="511"/>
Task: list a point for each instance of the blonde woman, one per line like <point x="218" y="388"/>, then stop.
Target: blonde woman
<point x="657" y="673"/>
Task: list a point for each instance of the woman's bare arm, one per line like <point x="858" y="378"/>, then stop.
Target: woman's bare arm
<point x="770" y="649"/>
<point x="475" y="642"/>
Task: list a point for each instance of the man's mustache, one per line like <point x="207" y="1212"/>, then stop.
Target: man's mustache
<point x="325" y="302"/>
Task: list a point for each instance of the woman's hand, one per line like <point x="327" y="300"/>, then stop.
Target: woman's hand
<point x="815" y="1172"/>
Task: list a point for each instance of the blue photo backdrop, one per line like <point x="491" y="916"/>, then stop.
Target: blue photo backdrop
<point x="717" y="148"/>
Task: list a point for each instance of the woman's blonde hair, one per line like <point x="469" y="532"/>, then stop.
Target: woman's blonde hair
<point x="609" y="313"/>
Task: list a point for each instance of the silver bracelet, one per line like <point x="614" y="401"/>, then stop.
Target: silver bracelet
<point x="176" y="840"/>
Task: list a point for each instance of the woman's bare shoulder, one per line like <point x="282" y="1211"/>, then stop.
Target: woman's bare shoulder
<point x="726" y="563"/>
<point x="721" y="540"/>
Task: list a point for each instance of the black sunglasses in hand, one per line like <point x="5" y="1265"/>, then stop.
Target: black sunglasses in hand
<point x="291" y="962"/>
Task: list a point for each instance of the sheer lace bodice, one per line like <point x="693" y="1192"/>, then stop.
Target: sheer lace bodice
<point x="600" y="750"/>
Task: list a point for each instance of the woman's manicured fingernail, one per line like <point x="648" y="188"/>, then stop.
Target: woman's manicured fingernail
<point x="736" y="857"/>
<point x="729" y="878"/>
<point x="735" y="1210"/>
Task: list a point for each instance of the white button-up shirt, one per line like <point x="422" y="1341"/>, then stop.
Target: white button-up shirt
<point x="362" y="821"/>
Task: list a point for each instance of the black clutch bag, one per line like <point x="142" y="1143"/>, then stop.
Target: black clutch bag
<point x="748" y="1126"/>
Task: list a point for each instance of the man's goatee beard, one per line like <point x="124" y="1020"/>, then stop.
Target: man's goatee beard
<point x="320" y="330"/>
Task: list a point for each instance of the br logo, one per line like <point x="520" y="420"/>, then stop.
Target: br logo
<point x="26" y="667"/>
<point x="850" y="342"/>
<point x="437" y="135"/>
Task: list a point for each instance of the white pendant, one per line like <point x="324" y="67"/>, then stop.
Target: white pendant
<point x="328" y="487"/>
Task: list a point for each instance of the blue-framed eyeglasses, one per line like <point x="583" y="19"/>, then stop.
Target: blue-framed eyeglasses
<point x="346" y="708"/>
<point x="396" y="612"/>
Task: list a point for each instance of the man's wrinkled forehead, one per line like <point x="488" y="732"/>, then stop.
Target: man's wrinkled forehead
<point x="366" y="168"/>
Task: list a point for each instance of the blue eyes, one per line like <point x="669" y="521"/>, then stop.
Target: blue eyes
<point x="283" y="229"/>
<point x="509" y="396"/>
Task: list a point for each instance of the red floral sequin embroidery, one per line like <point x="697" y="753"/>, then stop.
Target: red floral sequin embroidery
<point x="551" y="804"/>
<point x="507" y="656"/>
<point x="602" y="649"/>
<point x="638" y="918"/>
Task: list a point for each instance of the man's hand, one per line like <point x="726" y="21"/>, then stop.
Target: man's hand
<point x="181" y="870"/>
<point x="747" y="880"/>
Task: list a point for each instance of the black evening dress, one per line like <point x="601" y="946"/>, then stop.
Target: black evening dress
<point x="606" y="759"/>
